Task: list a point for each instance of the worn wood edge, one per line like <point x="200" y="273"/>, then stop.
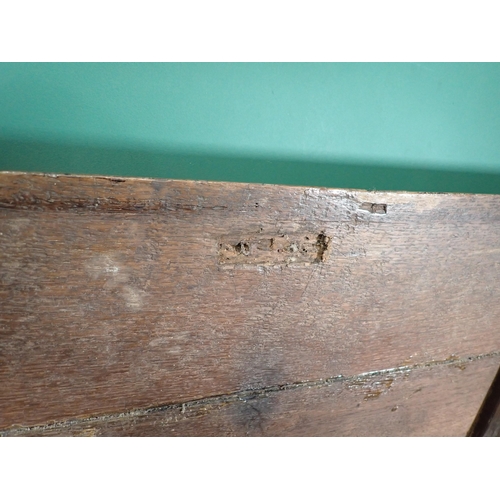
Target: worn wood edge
<point x="239" y="396"/>
<point x="12" y="175"/>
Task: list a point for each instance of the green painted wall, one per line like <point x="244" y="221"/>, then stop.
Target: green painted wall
<point x="420" y="127"/>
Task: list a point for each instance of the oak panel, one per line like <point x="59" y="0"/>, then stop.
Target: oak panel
<point x="115" y="294"/>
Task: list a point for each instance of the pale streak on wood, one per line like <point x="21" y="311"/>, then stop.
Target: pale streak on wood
<point x="112" y="297"/>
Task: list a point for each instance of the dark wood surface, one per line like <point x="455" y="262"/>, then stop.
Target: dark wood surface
<point x="487" y="421"/>
<point x="119" y="295"/>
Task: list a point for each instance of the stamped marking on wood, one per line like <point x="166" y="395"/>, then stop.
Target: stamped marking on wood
<point x="276" y="249"/>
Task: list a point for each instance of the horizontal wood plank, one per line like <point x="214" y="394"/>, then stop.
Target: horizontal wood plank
<point x="437" y="400"/>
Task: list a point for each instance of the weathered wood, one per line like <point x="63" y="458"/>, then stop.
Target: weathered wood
<point x="121" y="294"/>
<point x="422" y="401"/>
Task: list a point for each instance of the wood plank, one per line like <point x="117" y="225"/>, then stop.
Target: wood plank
<point x="119" y="294"/>
<point x="436" y="400"/>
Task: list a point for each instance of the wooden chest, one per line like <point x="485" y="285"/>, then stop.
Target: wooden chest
<point x="166" y="308"/>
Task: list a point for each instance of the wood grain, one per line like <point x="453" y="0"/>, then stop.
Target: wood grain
<point x="115" y="294"/>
